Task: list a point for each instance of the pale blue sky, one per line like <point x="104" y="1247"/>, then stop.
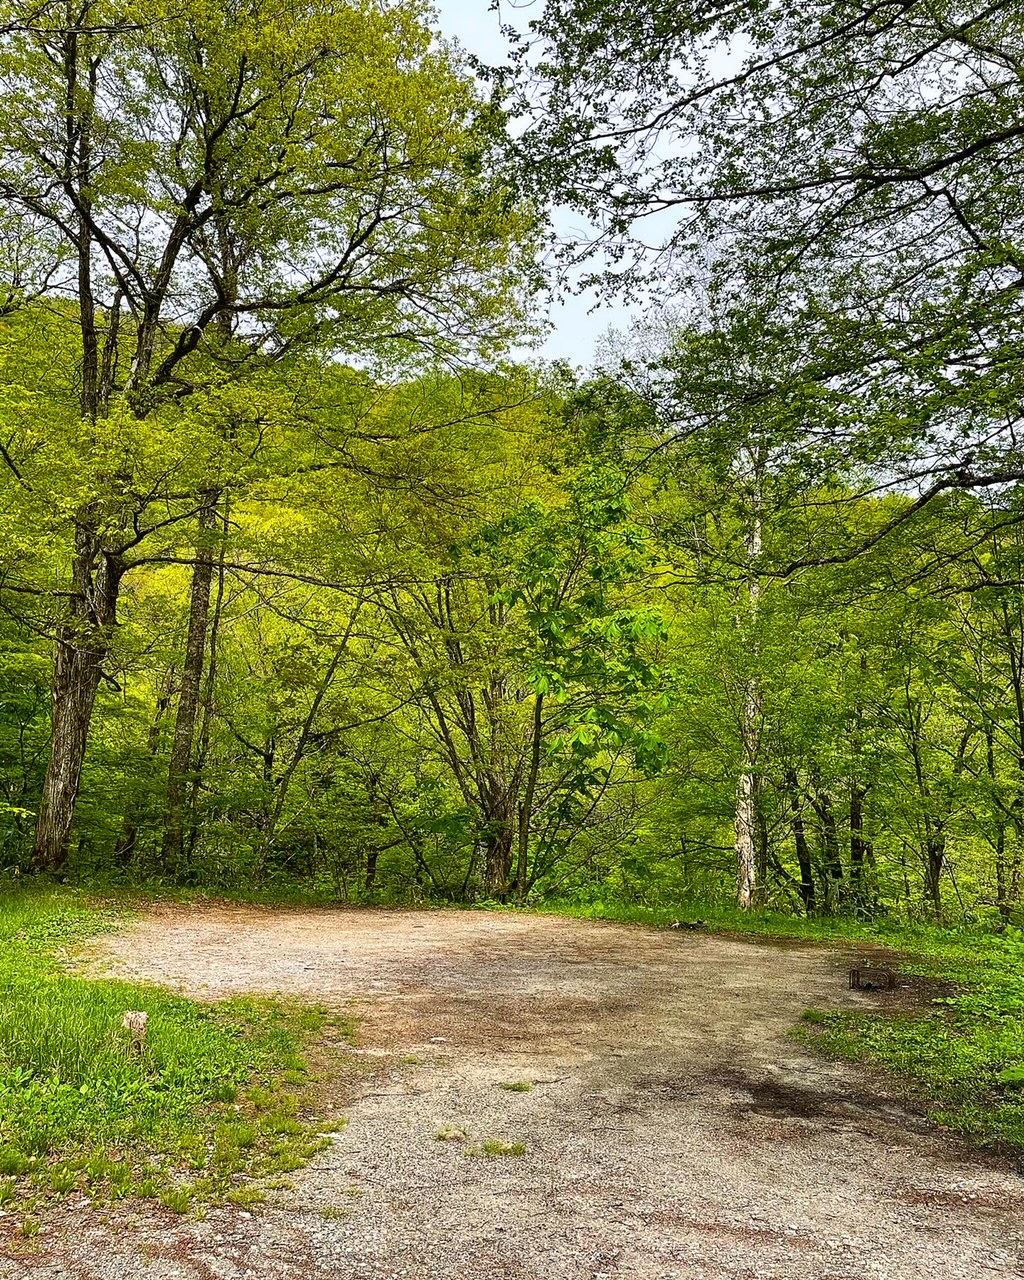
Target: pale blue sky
<point x="577" y="329"/>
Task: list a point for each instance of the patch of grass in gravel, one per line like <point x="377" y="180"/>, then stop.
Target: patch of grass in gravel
<point x="217" y="1094"/>
<point x="962" y="1051"/>
<point x="451" y="1135"/>
<point x="516" y="1086"/>
<point x="494" y="1147"/>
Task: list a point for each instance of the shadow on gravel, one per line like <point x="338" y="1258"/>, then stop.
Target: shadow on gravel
<point x="782" y="1099"/>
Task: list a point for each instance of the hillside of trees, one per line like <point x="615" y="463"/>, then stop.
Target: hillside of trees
<point x="313" y="578"/>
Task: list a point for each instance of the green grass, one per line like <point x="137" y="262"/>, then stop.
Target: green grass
<point x="214" y="1097"/>
<point x="962" y="1052"/>
<point x="494" y="1147"/>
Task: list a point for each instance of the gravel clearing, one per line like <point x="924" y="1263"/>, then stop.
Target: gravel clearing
<point x="672" y="1131"/>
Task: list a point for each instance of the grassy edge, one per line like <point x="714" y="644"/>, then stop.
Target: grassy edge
<point x="215" y="1108"/>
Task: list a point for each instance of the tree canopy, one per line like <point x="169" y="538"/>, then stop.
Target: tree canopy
<point x="310" y="579"/>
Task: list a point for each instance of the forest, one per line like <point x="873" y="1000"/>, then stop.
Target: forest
<point x="316" y="578"/>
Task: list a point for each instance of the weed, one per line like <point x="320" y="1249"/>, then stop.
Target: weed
<point x="494" y="1147"/>
<point x="177" y="1199"/>
<point x="29" y="1227"/>
<point x="284" y="1160"/>
<point x="516" y="1086"/>
<point x="245" y="1196"/>
<point x="451" y="1135"/>
<point x="330" y="1211"/>
<point x="237" y="1134"/>
<point x="62" y="1179"/>
<point x="13" y="1162"/>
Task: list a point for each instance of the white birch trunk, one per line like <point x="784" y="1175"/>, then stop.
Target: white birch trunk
<point x="746" y="791"/>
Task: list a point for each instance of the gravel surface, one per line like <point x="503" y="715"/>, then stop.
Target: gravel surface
<point x="672" y="1130"/>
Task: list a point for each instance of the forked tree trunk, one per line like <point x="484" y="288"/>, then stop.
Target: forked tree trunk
<point x="500" y="841"/>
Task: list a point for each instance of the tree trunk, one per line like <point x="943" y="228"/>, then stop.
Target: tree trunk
<point x="191" y="684"/>
<point x="526" y="808"/>
<point x="831" y="855"/>
<point x="498" y="862"/>
<point x="746" y="791"/>
<point x="803" y="853"/>
<point x="762" y="850"/>
<point x="499" y="842"/>
<point x="860" y="845"/>
<point x="935" y="859"/>
<point x="83" y="643"/>
<point x="83" y="639"/>
<point x="209" y="686"/>
<point x="370" y="880"/>
<point x="746" y="857"/>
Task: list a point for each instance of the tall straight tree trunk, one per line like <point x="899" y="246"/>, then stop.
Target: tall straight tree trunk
<point x="191" y="684"/>
<point x="750" y="715"/>
<point x="207" y="700"/>
<point x="83" y="644"/>
<point x="860" y="845"/>
<point x="526" y="807"/>
<point x="828" y="833"/>
<point x="746" y="854"/>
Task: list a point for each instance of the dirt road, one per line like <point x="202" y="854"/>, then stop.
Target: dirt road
<point x="672" y="1130"/>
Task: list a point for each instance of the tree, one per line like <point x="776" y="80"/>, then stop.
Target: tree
<point x="213" y="186"/>
<point x="847" y="168"/>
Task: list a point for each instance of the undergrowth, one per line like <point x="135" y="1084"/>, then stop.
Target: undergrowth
<point x="216" y="1097"/>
